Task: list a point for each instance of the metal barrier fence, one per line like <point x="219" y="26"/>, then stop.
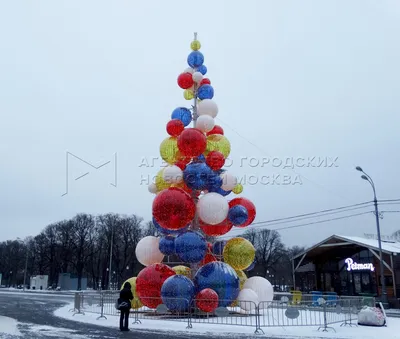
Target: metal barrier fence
<point x="282" y="311"/>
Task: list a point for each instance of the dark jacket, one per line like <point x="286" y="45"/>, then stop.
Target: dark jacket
<point x="126" y="293"/>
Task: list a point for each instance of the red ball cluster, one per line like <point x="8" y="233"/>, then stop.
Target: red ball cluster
<point x="173" y="208"/>
<point x="185" y="80"/>
<point x="216" y="130"/>
<point x="192" y="142"/>
<point x="175" y="127"/>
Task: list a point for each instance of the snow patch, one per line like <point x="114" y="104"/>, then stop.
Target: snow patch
<point x="49" y="331"/>
<point x="213" y="330"/>
<point x="8" y="326"/>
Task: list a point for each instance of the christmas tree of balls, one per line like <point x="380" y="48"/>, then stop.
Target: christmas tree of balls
<point x="191" y="208"/>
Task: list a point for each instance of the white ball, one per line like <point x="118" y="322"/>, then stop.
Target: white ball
<point x="189" y="70"/>
<point x="212" y="208"/>
<point x="197" y="77"/>
<point x="152" y="188"/>
<point x="229" y="181"/>
<point x="205" y="123"/>
<point x="147" y="252"/>
<point x="262" y="287"/>
<point x="247" y="299"/>
<point x="172" y="174"/>
<point x="207" y="107"/>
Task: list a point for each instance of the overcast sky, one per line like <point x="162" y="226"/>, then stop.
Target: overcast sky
<point x="297" y="79"/>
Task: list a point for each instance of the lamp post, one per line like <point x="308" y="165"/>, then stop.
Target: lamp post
<point x="366" y="177"/>
<point x="108" y="277"/>
<point x="111" y="253"/>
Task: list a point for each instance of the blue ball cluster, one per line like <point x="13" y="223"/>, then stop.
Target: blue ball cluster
<point x="220" y="277"/>
<point x="202" y="69"/>
<point x="183" y="114"/>
<point x="196" y="175"/>
<point x="205" y="92"/>
<point x="195" y="59"/>
<point x="191" y="247"/>
<point x="164" y="231"/>
<point x="199" y="176"/>
<point x="177" y="293"/>
<point x="167" y="245"/>
<point x="218" y="247"/>
<point x="238" y="215"/>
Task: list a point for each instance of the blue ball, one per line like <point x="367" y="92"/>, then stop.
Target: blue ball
<point x="177" y="293"/>
<point x="191" y="247"/>
<point x="238" y="215"/>
<point x="202" y="69"/>
<point x="251" y="266"/>
<point x="214" y="182"/>
<point x="220" y="277"/>
<point x="201" y="158"/>
<point x="167" y="245"/>
<point x="196" y="175"/>
<point x="163" y="230"/>
<point x="183" y="114"/>
<point x="219" y="190"/>
<point x="218" y="247"/>
<point x="205" y="92"/>
<point x="195" y="59"/>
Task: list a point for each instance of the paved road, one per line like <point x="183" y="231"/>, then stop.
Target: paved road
<point x="34" y="314"/>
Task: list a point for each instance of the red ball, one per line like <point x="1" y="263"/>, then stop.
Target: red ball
<point x="209" y="246"/>
<point x="183" y="158"/>
<point x="251" y="209"/>
<point x="192" y="142"/>
<point x="173" y="208"/>
<point x="207" y="259"/>
<point x="207" y="300"/>
<point x="149" y="282"/>
<point x="205" y="81"/>
<point x="181" y="164"/>
<point x="216" y="230"/>
<point x="175" y="127"/>
<point x="216" y="130"/>
<point x="215" y="160"/>
<point x="184" y="187"/>
<point x="185" y="80"/>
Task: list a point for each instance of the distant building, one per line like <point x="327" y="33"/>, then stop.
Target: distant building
<point x="69" y="282"/>
<point x="39" y="282"/>
<point x="349" y="266"/>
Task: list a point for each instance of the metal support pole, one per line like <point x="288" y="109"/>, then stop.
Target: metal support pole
<point x="111" y="252"/>
<point x="384" y="292"/>
<point x="294" y="276"/>
<point x="366" y="177"/>
<point x="102" y="307"/>
<point x="393" y="276"/>
<point x="195" y="224"/>
<point x="26" y="268"/>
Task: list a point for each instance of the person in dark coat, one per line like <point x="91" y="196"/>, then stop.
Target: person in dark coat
<point x="126" y="298"/>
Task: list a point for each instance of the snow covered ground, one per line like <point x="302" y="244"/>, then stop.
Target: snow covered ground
<point x="8" y="326"/>
<point x="392" y="331"/>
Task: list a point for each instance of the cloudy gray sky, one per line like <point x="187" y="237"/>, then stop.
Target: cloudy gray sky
<point x="297" y="79"/>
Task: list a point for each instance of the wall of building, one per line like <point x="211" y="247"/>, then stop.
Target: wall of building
<point x="69" y="282"/>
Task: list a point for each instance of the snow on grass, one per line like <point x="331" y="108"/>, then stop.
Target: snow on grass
<point x="213" y="330"/>
<point x="8" y="326"/>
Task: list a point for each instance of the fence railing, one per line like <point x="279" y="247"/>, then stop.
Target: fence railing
<point x="282" y="311"/>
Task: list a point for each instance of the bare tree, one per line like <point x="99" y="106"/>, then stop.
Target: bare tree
<point x="269" y="249"/>
<point x="84" y="233"/>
